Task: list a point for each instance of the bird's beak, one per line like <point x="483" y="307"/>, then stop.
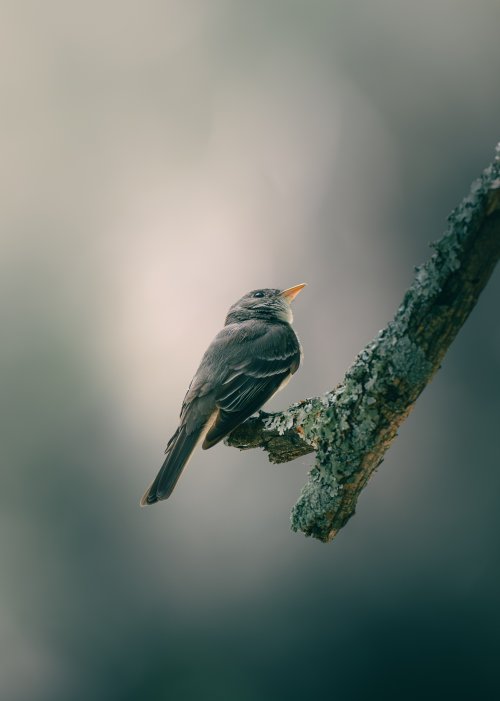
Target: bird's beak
<point x="291" y="292"/>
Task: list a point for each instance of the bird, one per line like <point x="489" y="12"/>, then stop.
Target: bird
<point x="250" y="359"/>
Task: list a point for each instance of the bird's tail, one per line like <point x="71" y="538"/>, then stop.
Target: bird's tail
<point x="179" y="450"/>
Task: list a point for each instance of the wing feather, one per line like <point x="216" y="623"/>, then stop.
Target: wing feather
<point x="252" y="381"/>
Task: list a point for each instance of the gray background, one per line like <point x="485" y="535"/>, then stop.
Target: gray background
<point x="158" y="160"/>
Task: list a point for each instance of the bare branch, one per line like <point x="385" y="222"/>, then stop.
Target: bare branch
<point x="351" y="427"/>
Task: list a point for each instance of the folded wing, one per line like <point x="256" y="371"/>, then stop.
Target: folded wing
<point x="252" y="381"/>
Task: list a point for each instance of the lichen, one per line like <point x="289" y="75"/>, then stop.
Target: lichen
<point x="386" y="372"/>
<point x="408" y="362"/>
<point x="350" y="427"/>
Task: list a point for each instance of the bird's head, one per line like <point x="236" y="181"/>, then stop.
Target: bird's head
<point x="267" y="304"/>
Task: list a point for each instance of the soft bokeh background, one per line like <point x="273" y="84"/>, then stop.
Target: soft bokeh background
<point x="159" y="159"/>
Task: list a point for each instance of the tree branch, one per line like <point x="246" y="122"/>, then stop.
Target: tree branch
<point x="351" y="427"/>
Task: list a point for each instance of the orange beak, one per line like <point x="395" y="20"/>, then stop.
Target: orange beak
<point x="291" y="292"/>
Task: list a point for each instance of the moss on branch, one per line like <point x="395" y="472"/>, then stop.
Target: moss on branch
<point x="351" y="427"/>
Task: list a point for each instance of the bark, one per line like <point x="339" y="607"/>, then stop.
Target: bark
<point x="350" y="427"/>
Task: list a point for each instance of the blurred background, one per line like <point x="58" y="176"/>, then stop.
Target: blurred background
<point x="158" y="160"/>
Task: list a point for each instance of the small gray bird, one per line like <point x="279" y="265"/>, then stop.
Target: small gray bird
<point x="253" y="357"/>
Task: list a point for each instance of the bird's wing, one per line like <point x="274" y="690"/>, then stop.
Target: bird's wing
<point x="254" y="371"/>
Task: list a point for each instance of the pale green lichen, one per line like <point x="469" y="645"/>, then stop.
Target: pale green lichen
<point x="348" y="426"/>
<point x="345" y="425"/>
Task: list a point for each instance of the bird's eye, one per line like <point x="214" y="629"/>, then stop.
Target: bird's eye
<point x="258" y="294"/>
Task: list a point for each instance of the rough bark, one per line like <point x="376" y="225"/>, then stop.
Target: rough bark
<point x="351" y="427"/>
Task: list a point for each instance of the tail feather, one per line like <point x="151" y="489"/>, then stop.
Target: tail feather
<point x="178" y="451"/>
